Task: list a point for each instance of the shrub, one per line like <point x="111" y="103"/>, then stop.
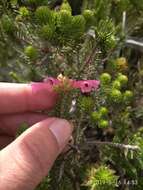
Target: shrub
<point x="97" y="76"/>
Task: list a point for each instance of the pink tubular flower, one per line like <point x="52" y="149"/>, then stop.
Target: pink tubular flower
<point x="85" y="86"/>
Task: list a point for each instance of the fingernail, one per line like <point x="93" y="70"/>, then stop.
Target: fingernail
<point x="38" y="86"/>
<point x="62" y="130"/>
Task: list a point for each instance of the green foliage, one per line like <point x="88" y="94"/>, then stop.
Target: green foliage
<point x="102" y="178"/>
<point x="35" y="2"/>
<point x="7" y="24"/>
<point x="64" y="21"/>
<point x="39" y="39"/>
<point x="105" y="31"/>
<point x="43" y="15"/>
<point x="78" y="24"/>
<point x="45" y="184"/>
<point x="47" y="32"/>
<point x="86" y="104"/>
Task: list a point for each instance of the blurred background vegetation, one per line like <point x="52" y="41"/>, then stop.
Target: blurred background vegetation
<point x="84" y="39"/>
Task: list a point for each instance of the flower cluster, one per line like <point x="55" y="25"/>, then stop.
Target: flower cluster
<point x="65" y="83"/>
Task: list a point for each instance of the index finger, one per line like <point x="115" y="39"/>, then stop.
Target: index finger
<point x="16" y="98"/>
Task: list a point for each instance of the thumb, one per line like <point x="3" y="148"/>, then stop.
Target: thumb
<point x="28" y="159"/>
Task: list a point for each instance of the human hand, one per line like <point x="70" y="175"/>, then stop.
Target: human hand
<point x="26" y="160"/>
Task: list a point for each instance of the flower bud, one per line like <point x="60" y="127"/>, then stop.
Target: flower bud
<point x="116" y="96"/>
<point x="31" y="52"/>
<point x="116" y="84"/>
<point x="95" y="116"/>
<point x="103" y="111"/>
<point x="105" y="78"/>
<point x="128" y="96"/>
<point x="123" y="79"/>
<point x="103" y="123"/>
<point x="66" y="6"/>
<point x="121" y="63"/>
<point x="89" y="16"/>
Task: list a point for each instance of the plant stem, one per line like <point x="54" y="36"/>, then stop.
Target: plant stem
<point x="116" y="145"/>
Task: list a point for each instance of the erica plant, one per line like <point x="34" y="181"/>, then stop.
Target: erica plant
<point x="80" y="50"/>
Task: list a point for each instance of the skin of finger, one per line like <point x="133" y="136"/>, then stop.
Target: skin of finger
<point x="16" y="98"/>
<point x="9" y="123"/>
<point x="29" y="158"/>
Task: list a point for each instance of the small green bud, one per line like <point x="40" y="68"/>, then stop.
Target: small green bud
<point x="103" y="111"/>
<point x="116" y="84"/>
<point x="95" y="116"/>
<point x="103" y="123"/>
<point x="123" y="79"/>
<point x="24" y="12"/>
<point x="44" y="14"/>
<point x="105" y="78"/>
<point x="89" y="16"/>
<point x="31" y="52"/>
<point x="116" y="96"/>
<point x="66" y="6"/>
<point x="7" y="24"/>
<point x="128" y="96"/>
